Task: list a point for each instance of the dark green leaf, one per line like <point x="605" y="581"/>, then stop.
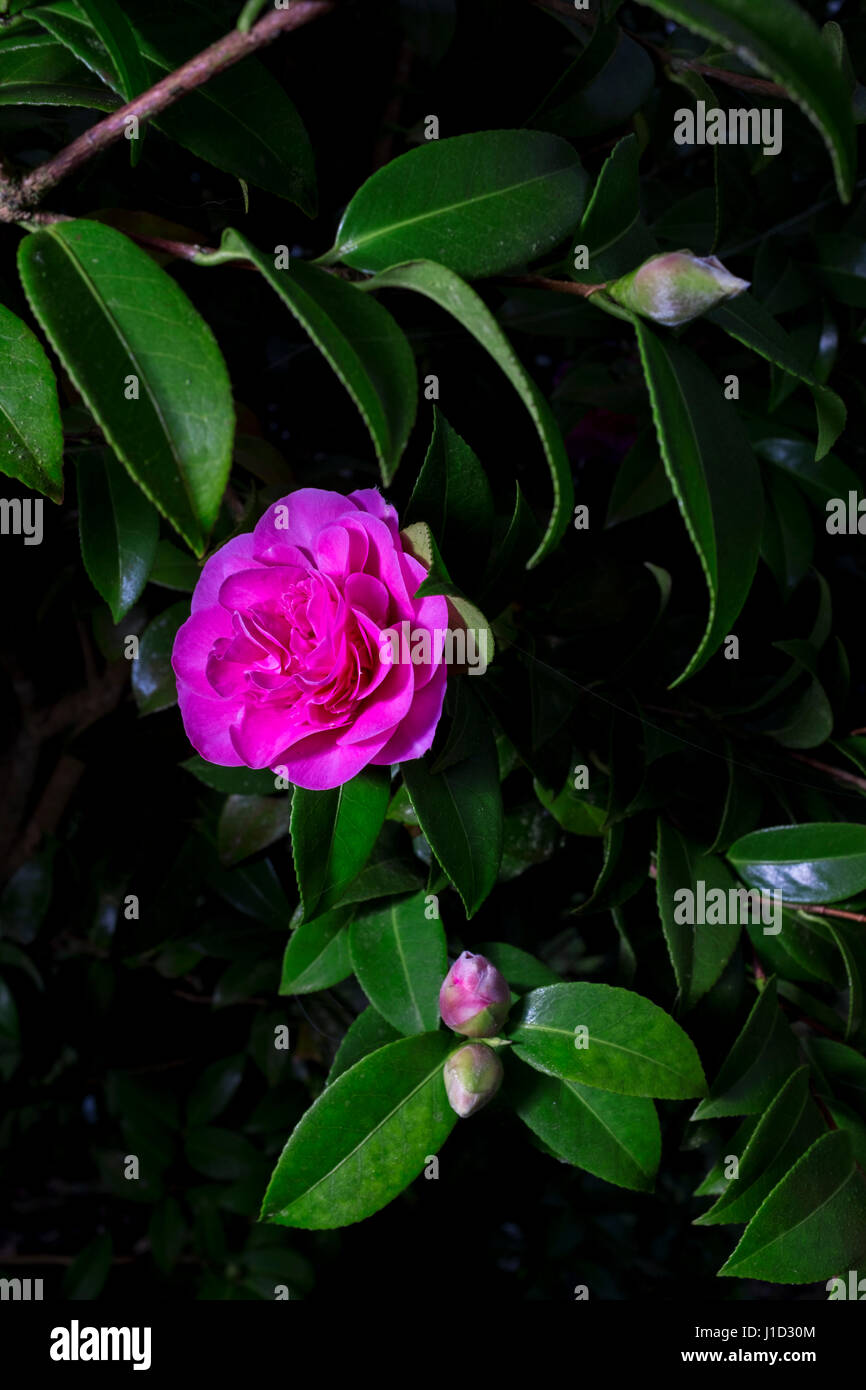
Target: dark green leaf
<point x="250" y="823"/>
<point x="241" y="120"/>
<point x="761" y="1059"/>
<point x="521" y="970"/>
<point x="699" y="950"/>
<point x="714" y="477"/>
<point x="317" y="955"/>
<point x="746" y="319"/>
<point x="119" y="529"/>
<point x="822" y="862"/>
<point x="333" y="833"/>
<point x="460" y="813"/>
<point x="400" y="957"/>
<point x="115" y="32"/>
<point x="242" y="781"/>
<point x="173" y="568"/>
<point x="613" y="1136"/>
<point x="367" y="1034"/>
<point x="788" y="1127"/>
<point x="813" y="1225"/>
<point x="612" y="228"/>
<point x="451" y="293"/>
<point x="452" y="495"/>
<point x="121" y="325"/>
<point x="780" y="40"/>
<point x="366" y="1137"/>
<point x="153" y="681"/>
<point x="35" y="71"/>
<point x="631" y="1045"/>
<point x="357" y="336"/>
<point x="31" y="440"/>
<point x="479" y="204"/>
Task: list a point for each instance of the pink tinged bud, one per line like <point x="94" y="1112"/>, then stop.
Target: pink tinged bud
<point x="474" y="999"/>
<point x="676" y="287"/>
<point x="473" y="1075"/>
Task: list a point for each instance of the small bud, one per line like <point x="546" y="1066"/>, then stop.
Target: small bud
<point x="474" y="998"/>
<point x="676" y="287"/>
<point x="473" y="1075"/>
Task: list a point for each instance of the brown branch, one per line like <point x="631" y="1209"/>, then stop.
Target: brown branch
<point x="541" y="282"/>
<point x="200" y="69"/>
<point x="839" y="773"/>
<point x="818" y="909"/>
<point x="825" y="911"/>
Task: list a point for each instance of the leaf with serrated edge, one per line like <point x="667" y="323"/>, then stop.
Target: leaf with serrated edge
<point x="366" y="1138"/>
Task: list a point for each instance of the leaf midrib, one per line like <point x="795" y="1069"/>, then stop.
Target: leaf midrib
<point x="348" y="248"/>
<point x="434" y="1071"/>
<point x="113" y="323"/>
<point x="604" y="1042"/>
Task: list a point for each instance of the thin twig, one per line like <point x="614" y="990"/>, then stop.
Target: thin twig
<point x="819" y="910"/>
<point x="541" y="282"/>
<point x="839" y="773"/>
<point x="200" y="69"/>
<point x="825" y="911"/>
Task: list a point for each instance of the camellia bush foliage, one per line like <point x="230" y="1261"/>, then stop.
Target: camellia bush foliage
<point x="433" y="453"/>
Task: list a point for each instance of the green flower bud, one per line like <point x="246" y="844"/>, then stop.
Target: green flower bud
<point x="473" y="1075"/>
<point x="676" y="287"/>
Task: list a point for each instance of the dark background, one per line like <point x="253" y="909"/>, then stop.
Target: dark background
<point x="120" y="1019"/>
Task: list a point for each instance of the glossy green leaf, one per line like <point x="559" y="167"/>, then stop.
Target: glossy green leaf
<point x="746" y="319"/>
<point x="242" y="781"/>
<point x="240" y="121"/>
<point x="601" y="90"/>
<point x="452" y="495"/>
<point x="822" y="862"/>
<point x="451" y="293"/>
<point x="460" y="813"/>
<point x="31" y="439"/>
<point x="250" y="823"/>
<point x="114" y="30"/>
<point x="118" y="527"/>
<point x="317" y="955"/>
<point x="761" y="1059"/>
<point x="812" y="1225"/>
<point x="401" y="958"/>
<point x="699" y="950"/>
<point x="714" y="476"/>
<point x="153" y="680"/>
<point x="521" y="970"/>
<point x="788" y="1127"/>
<point x="781" y="41"/>
<point x="631" y="1046"/>
<point x="613" y="1136"/>
<point x="145" y="363"/>
<point x="357" y="336"/>
<point x="480" y="204"/>
<point x="36" y="71"/>
<point x="366" y="1137"/>
<point x="612" y="228"/>
<point x="333" y="833"/>
<point x="366" y="1034"/>
<point x="173" y="568"/>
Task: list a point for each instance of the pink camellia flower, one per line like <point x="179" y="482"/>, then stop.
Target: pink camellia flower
<point x="280" y="664"/>
<point x="474" y="998"/>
